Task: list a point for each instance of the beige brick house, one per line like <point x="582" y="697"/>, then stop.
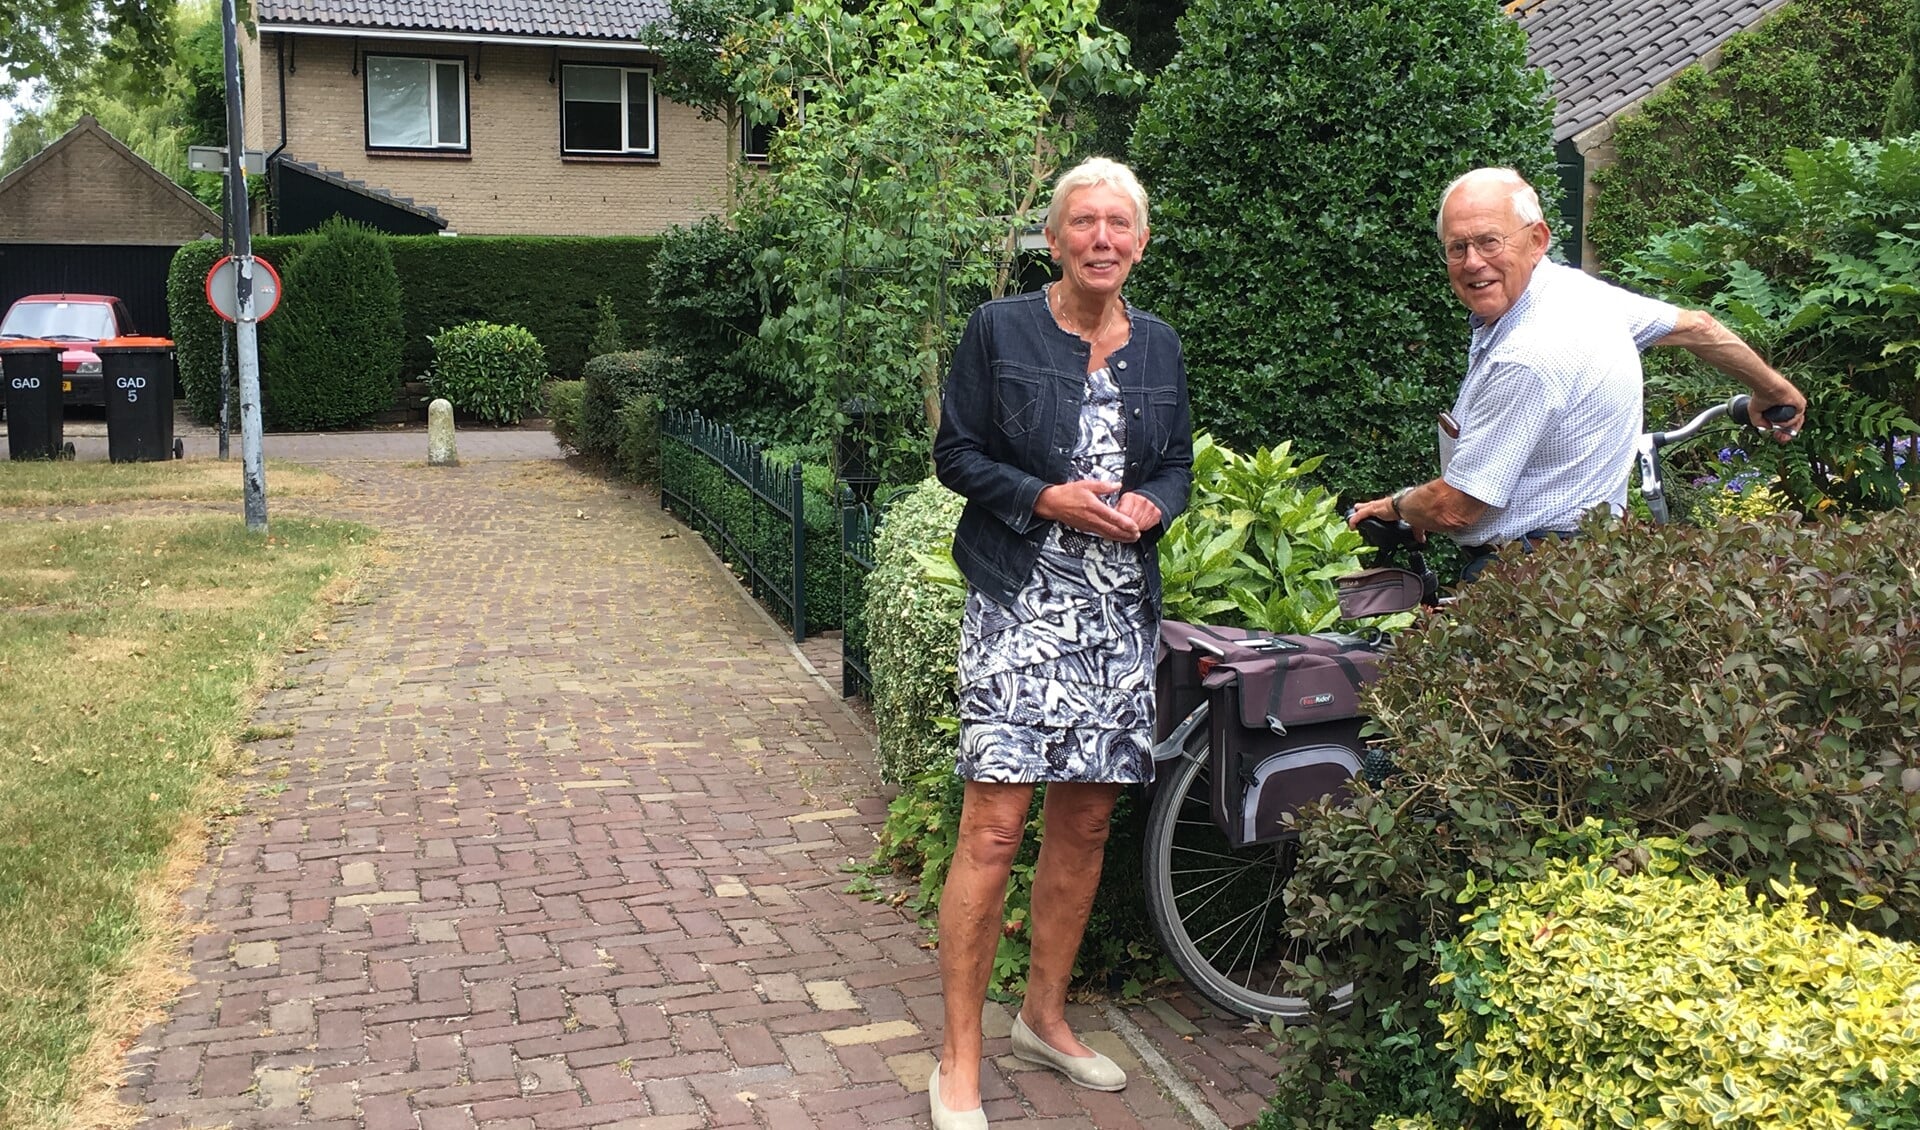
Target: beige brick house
<point x="484" y="117"/>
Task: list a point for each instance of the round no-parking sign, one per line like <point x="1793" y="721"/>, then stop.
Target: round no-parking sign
<point x="223" y="283"/>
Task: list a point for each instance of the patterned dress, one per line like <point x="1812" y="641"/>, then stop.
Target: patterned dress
<point x="1059" y="687"/>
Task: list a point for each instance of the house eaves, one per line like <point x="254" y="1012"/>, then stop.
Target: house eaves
<point x="563" y="23"/>
<point x="1606" y="55"/>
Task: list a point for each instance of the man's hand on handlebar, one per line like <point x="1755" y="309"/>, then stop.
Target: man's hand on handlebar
<point x="1381" y="509"/>
<point x="1765" y="412"/>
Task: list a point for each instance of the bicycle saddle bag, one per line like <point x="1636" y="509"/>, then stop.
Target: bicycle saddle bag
<point x="1378" y="592"/>
<point x="1285" y="729"/>
<point x="1177" y="675"/>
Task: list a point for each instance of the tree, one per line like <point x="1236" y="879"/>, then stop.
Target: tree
<point x="333" y="358"/>
<point x="156" y="111"/>
<point x="1903" y="104"/>
<point x="694" y="70"/>
<point x="52" y="40"/>
<point x="920" y="138"/>
<point x="1296" y="151"/>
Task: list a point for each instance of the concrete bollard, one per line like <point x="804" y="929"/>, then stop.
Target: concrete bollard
<point x="440" y="445"/>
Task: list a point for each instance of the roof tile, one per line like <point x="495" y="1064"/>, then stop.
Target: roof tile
<point x="613" y="19"/>
<point x="1604" y="55"/>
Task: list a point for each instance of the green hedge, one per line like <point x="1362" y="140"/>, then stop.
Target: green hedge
<point x="333" y="359"/>
<point x="611" y="382"/>
<point x="547" y="284"/>
<point x="563" y="411"/>
<point x="1754" y="689"/>
<point x="1296" y="153"/>
<point x="1813" y="70"/>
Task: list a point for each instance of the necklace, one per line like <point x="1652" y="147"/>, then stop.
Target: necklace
<point x="1100" y="331"/>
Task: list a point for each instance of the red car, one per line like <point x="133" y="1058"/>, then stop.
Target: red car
<point x="77" y="321"/>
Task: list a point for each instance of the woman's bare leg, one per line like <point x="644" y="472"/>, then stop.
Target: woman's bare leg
<point x="993" y="819"/>
<point x="1073" y="847"/>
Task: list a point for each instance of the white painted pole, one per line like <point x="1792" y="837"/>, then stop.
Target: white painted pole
<point x="246" y="340"/>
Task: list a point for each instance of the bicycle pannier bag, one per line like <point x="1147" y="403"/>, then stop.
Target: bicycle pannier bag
<point x="1285" y="724"/>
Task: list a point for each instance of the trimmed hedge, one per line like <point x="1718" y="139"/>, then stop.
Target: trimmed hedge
<point x="1754" y="689"/>
<point x="563" y="410"/>
<point x="611" y="382"/>
<point x="1296" y="153"/>
<point x="333" y="359"/>
<point x="548" y="284"/>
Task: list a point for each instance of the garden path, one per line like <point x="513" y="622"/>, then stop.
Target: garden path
<point x="555" y="837"/>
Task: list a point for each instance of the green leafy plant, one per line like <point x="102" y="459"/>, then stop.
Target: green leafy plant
<point x="1813" y="70"/>
<point x="1258" y="546"/>
<point x="334" y="357"/>
<point x="494" y="373"/>
<point x="1816" y="266"/>
<point x="1624" y="989"/>
<point x="610" y="383"/>
<point x="1296" y="153"/>
<point x="608" y="336"/>
<point x="1748" y="688"/>
<point x="563" y="411"/>
<point x="636" y="451"/>
<point x="913" y="642"/>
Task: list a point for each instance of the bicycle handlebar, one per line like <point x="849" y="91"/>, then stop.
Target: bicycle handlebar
<point x="1738" y="409"/>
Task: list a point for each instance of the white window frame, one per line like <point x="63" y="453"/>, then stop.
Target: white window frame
<point x="626" y="112"/>
<point x="746" y="141"/>
<point x="434" y="64"/>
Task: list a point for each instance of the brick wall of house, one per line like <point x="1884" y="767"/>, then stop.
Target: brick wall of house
<point x="514" y="180"/>
<point x="89" y="192"/>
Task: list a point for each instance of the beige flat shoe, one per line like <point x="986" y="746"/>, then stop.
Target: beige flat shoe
<point x="944" y="1119"/>
<point x="1095" y="1072"/>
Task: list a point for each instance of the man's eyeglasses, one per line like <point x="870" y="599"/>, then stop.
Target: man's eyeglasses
<point x="1487" y="244"/>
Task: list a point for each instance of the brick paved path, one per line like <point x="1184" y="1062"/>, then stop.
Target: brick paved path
<point x="555" y="840"/>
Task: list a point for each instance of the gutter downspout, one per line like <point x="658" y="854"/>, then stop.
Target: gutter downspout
<point x="273" y="171"/>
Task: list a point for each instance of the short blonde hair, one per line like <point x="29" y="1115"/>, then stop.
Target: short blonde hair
<point x="1526" y="202"/>
<point x="1090" y="172"/>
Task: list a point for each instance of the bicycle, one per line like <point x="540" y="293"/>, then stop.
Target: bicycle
<point x="1254" y="726"/>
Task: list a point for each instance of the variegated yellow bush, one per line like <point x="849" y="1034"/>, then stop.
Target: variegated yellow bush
<point x="1660" y="999"/>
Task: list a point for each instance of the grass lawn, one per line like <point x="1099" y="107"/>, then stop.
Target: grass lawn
<point x="133" y="643"/>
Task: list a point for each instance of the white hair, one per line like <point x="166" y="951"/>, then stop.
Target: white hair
<point x="1094" y="171"/>
<point x="1526" y="202"/>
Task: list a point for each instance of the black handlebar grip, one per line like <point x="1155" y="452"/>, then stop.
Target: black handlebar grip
<point x="1737" y="408"/>
<point x="1778" y="414"/>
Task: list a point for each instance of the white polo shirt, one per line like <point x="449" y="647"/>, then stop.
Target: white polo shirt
<point x="1551" y="404"/>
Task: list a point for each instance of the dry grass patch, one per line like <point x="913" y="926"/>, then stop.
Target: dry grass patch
<point x="123" y="694"/>
<point x="36" y="484"/>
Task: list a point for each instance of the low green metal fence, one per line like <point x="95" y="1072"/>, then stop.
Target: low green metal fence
<point x="752" y="511"/>
<point x="857" y="521"/>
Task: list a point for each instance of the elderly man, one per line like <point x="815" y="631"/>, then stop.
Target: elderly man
<point x="1542" y="430"/>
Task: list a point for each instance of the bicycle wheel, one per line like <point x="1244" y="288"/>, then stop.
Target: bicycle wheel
<point x="1218" y="909"/>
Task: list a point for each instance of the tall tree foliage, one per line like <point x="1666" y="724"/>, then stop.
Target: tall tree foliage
<point x="156" y="111"/>
<point x="920" y="137"/>
<point x="1296" y="151"/>
<point x="51" y="41"/>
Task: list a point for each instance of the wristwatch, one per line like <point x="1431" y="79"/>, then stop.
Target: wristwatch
<point x="1394" y="501"/>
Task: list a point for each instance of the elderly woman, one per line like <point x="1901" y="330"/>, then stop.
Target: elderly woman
<point x="1064" y="425"/>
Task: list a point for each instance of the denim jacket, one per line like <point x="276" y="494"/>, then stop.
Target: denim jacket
<point x="1009" y="419"/>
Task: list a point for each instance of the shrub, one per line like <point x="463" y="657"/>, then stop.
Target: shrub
<point x="491" y="372"/>
<point x="1257" y="546"/>
<point x="636" y="451"/>
<point x="1815" y="69"/>
<point x="706" y="308"/>
<point x="563" y="411"/>
<point x="1296" y="153"/>
<point x="1815" y="265"/>
<point x="608" y="337"/>
<point x="1751" y="688"/>
<point x="913" y="641"/>
<point x="612" y="381"/>
<point x="334" y="357"/>
<point x="1621" y="990"/>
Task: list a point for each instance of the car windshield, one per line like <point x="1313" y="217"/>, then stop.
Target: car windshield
<point x="58" y="321"/>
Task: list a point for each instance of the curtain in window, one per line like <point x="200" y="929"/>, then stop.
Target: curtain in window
<point x="399" y="102"/>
